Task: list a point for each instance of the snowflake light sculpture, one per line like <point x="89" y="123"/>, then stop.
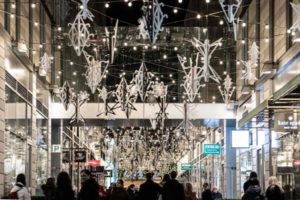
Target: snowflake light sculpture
<point x="296" y="26"/>
<point x="125" y="97"/>
<point x="159" y="89"/>
<point x="192" y="77"/>
<point x="206" y="50"/>
<point x="45" y="65"/>
<point x="94" y="73"/>
<point x="228" y="89"/>
<point x="104" y="96"/>
<point x="66" y="95"/>
<point x="81" y="98"/>
<point x="231" y="13"/>
<point x="150" y="23"/>
<point x="79" y="33"/>
<point x="142" y="81"/>
<point x="251" y="64"/>
<point x="111" y="41"/>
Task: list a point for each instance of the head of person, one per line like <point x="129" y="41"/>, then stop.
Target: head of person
<point x="63" y="180"/>
<point x="50" y="181"/>
<point x="85" y="174"/>
<point x="273" y="180"/>
<point x="189" y="187"/>
<point x="215" y="189"/>
<point x="173" y="174"/>
<point x="132" y="186"/>
<point x="21" y="179"/>
<point x="120" y="183"/>
<point x="166" y="178"/>
<point x="149" y="176"/>
<point x="205" y="186"/>
<point x="253" y="176"/>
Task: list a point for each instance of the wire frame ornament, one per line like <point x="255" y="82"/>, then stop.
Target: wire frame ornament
<point x="251" y="64"/>
<point x="142" y="81"/>
<point x="45" y="65"/>
<point x="230" y="13"/>
<point x="66" y="95"/>
<point x="150" y="25"/>
<point x="126" y="97"/>
<point x="81" y="98"/>
<point x="94" y="73"/>
<point x="296" y="26"/>
<point x="206" y="50"/>
<point x="79" y="33"/>
<point x="227" y="90"/>
<point x="111" y="41"/>
<point x="192" y="78"/>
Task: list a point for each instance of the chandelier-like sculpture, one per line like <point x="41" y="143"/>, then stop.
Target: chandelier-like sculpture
<point x="151" y="21"/>
<point x="66" y="95"/>
<point x="251" y="64"/>
<point x="80" y="99"/>
<point x="111" y="41"/>
<point x="231" y="12"/>
<point x="79" y="33"/>
<point x="228" y="89"/>
<point x="142" y="81"/>
<point x="126" y="96"/>
<point x="206" y="50"/>
<point x="45" y="65"/>
<point x="104" y="96"/>
<point x="94" y="73"/>
<point x="192" y="77"/>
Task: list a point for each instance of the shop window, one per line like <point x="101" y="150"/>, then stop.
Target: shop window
<point x="42" y="151"/>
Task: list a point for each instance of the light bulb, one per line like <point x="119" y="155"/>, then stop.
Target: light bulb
<point x="198" y="16"/>
<point x="106" y="5"/>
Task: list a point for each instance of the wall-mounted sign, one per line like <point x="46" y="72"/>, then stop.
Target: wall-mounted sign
<point x="107" y="173"/>
<point x="56" y="148"/>
<point x="186" y="166"/>
<point x="93" y="163"/>
<point x="79" y="156"/>
<point x="65" y="156"/>
<point x="286" y="121"/>
<point x="97" y="169"/>
<point x="296" y="162"/>
<point x="240" y="139"/>
<point x="212" y="149"/>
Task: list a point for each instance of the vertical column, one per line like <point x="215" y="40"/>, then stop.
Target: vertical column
<point x="2" y="114"/>
<point x="238" y="175"/>
<point x="34" y="135"/>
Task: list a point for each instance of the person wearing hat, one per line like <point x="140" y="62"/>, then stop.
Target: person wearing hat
<point x="251" y="181"/>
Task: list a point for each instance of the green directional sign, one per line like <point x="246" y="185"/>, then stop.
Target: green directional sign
<point x="56" y="148"/>
<point x="186" y="166"/>
<point x="212" y="149"/>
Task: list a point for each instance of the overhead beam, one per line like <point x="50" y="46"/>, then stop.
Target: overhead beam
<point x="53" y="23"/>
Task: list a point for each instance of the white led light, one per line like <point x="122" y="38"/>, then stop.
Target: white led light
<point x="134" y="48"/>
<point x="207" y="1"/>
<point x="71" y="63"/>
<point x="33" y="5"/>
<point x="243" y="41"/>
<point x="165" y="56"/>
<point x="173" y="81"/>
<point x="74" y="73"/>
<point x="175" y="48"/>
<point x="170" y="75"/>
<point x="243" y="24"/>
<point x="267" y="26"/>
<point x="179" y="1"/>
<point x="13" y="5"/>
<point x="221" y="22"/>
<point x="106" y="5"/>
<point x="59" y="28"/>
<point x="36" y="23"/>
<point x="125" y="44"/>
<point x="175" y="10"/>
<point x="129" y="4"/>
<point x="154" y="47"/>
<point x="73" y="82"/>
<point x="198" y="16"/>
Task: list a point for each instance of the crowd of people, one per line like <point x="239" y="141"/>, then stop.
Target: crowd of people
<point x="168" y="189"/>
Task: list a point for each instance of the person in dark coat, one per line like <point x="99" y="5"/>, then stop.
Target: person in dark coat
<point x="89" y="187"/>
<point x="64" y="189"/>
<point x="131" y="190"/>
<point x="274" y="191"/>
<point x="49" y="189"/>
<point x="173" y="190"/>
<point x="118" y="192"/>
<point x="149" y="190"/>
<point x="206" y="194"/>
<point x="251" y="181"/>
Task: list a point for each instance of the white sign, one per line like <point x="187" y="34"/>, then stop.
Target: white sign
<point x="56" y="148"/>
<point x="289" y="124"/>
<point x="240" y="139"/>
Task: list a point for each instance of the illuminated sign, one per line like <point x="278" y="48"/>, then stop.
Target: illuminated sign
<point x="186" y="166"/>
<point x="212" y="149"/>
<point x="240" y="139"/>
